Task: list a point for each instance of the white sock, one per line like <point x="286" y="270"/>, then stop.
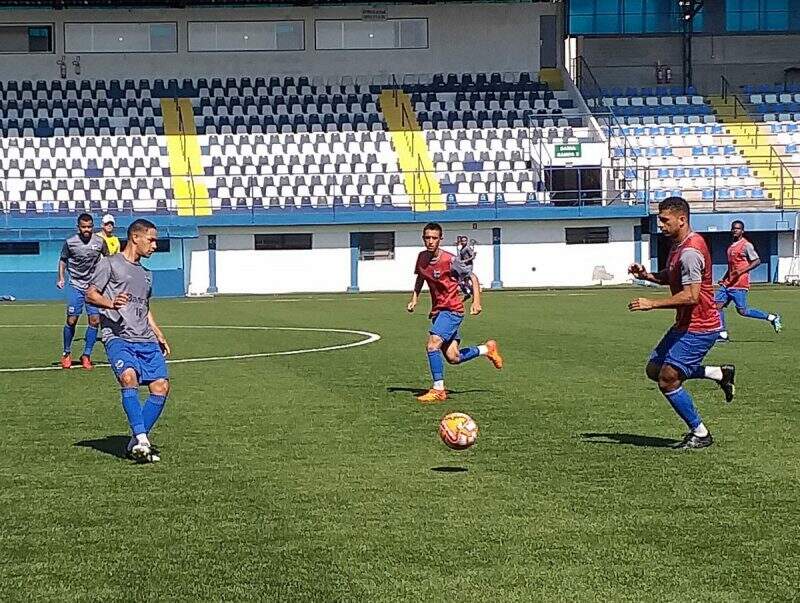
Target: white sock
<point x="700" y="431"/>
<point x="771" y="317"/>
<point x="714" y="372"/>
<point x="438" y="385"/>
<point x="483" y="350"/>
<point x="142" y="439"/>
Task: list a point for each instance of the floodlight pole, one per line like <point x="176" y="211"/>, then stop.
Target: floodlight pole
<point x="689" y="10"/>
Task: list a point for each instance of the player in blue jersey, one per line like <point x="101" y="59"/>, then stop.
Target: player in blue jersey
<point x="79" y="256"/>
<point x="136" y="348"/>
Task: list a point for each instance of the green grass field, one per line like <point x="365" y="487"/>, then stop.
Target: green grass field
<point x="318" y="477"/>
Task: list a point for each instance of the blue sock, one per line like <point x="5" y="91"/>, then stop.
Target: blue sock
<point x="698" y="372"/>
<point x="437" y="365"/>
<point x="152" y="410"/>
<point x="682" y="403"/>
<point x="69" y="333"/>
<point x="724" y="322"/>
<point x="91" y="338"/>
<point x="469" y="353"/>
<point x="753" y="313"/>
<point x="130" y="402"/>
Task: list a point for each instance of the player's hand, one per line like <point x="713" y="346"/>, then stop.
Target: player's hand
<point x="733" y="276"/>
<point x="411" y="305"/>
<point x="121" y="300"/>
<point x="722" y="282"/>
<point x="640" y="304"/>
<point x="60" y="283"/>
<point x="162" y="342"/>
<point x="637" y="270"/>
<point x="475" y="309"/>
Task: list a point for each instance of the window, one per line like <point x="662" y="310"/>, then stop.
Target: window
<point x="603" y="17"/>
<point x="26" y="38"/>
<point x="162" y="245"/>
<point x="23" y="248"/>
<point x="376" y="246"/>
<point x="586" y="236"/>
<point x="759" y="15"/>
<point x="242" y="36"/>
<point x="120" y="37"/>
<point x="355" y="34"/>
<point x="271" y="242"/>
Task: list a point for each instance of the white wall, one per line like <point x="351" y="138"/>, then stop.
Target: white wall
<point x="462" y="37"/>
<point x="526" y="246"/>
<point x="785" y="251"/>
<point x="534" y="254"/>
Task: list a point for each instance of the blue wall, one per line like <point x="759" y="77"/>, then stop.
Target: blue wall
<point x="34" y="276"/>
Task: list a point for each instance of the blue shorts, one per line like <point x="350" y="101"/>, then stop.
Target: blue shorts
<point x="725" y="296"/>
<point x="447" y="325"/>
<point x="76" y="299"/>
<point x="144" y="357"/>
<point x="683" y="350"/>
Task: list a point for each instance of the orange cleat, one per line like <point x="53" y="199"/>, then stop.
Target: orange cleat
<point x="433" y="396"/>
<point x="494" y="354"/>
<point x="86" y="362"/>
<point x="66" y="361"/>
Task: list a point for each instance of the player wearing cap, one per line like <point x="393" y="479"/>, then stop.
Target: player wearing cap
<point x="107" y="232"/>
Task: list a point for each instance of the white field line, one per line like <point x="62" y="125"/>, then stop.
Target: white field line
<point x="368" y="338"/>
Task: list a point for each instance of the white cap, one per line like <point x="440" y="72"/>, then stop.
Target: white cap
<point x="108" y="218"/>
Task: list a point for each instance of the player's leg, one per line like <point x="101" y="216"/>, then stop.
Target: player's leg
<point x="93" y="315"/>
<point x="126" y="368"/>
<point x="684" y="357"/>
<point x="722" y="299"/>
<point x="153" y="368"/>
<point x="740" y="299"/>
<point x="74" y="309"/>
<point x="433" y="348"/>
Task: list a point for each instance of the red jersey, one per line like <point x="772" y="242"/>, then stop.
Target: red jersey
<point x="740" y="254"/>
<point x="689" y="263"/>
<point x="445" y="293"/>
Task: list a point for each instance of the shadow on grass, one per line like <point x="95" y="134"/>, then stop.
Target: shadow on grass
<point x="418" y="391"/>
<point x="629" y="439"/>
<point x="447" y="469"/>
<point x="113" y="445"/>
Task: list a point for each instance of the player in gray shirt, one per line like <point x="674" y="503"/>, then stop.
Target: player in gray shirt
<point x="136" y="348"/>
<point x="79" y="256"/>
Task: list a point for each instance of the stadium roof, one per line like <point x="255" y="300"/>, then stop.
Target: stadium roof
<point x="59" y="4"/>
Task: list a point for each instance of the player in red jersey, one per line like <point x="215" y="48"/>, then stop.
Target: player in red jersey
<point x="734" y="286"/>
<point x="434" y="267"/>
<point x="679" y="354"/>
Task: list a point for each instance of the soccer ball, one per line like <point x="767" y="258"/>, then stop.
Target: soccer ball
<point x="458" y="431"/>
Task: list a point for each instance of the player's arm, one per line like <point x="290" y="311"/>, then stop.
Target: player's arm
<point x="640" y="272"/>
<point x="476" y="307"/>
<point x="94" y="297"/>
<point x="415" y="293"/>
<point x="100" y="278"/>
<point x="162" y="341"/>
<point x="692" y="265"/>
<point x="62" y="266"/>
<point x="104" y="249"/>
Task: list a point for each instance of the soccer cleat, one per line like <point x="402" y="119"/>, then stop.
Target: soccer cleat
<point x="493" y="354"/>
<point x="86" y="362"/>
<point x="776" y="324"/>
<point x="433" y="396"/>
<point x="727" y="384"/>
<point x="66" y="361"/>
<point x="140" y="453"/>
<point x="724" y="338"/>
<point x="691" y="440"/>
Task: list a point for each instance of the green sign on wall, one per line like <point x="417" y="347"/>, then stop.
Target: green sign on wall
<point x="568" y="150"/>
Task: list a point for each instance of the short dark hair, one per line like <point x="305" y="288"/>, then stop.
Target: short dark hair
<point x="677" y="205"/>
<point x="84" y="217"/>
<point x="140" y="225"/>
<point x="432" y="226"/>
<point x="739" y="222"/>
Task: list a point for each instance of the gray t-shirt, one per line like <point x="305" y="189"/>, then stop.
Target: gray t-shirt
<point x="692" y="265"/>
<point x="750" y="252"/>
<point x="115" y="275"/>
<point x="81" y="258"/>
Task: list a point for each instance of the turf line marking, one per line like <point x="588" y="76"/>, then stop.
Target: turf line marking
<point x="368" y="338"/>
